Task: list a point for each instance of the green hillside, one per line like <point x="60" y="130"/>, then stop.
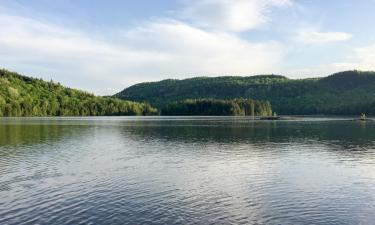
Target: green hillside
<point x="25" y="96"/>
<point x="345" y="93"/>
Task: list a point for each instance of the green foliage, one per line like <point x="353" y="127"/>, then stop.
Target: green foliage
<point x="214" y="107"/>
<point x="25" y="96"/>
<point x="345" y="93"/>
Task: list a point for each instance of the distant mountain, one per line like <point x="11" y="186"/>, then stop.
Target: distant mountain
<point x="25" y="96"/>
<point x="345" y="93"/>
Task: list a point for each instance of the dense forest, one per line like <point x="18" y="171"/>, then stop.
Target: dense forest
<point x="344" y="93"/>
<point x="214" y="107"/>
<point x="25" y="96"/>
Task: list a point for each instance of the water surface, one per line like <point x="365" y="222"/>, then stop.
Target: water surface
<point x="185" y="170"/>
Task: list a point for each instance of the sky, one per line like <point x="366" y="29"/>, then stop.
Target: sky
<point x="105" y="46"/>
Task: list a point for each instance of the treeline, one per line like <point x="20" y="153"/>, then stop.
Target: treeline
<point x="25" y="96"/>
<point x="215" y="107"/>
<point x="344" y="93"/>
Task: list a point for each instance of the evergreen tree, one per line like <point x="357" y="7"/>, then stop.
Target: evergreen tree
<point x="215" y="107"/>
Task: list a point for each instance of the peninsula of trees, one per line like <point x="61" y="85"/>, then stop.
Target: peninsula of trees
<point x="25" y="96"/>
<point x="344" y="93"/>
<point x="214" y="107"/>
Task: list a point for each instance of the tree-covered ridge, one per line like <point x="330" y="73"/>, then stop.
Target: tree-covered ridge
<point x="215" y="107"/>
<point x="25" y="96"/>
<point x="345" y="93"/>
<point x="166" y="91"/>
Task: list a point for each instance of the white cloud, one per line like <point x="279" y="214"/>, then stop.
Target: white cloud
<point x="152" y="51"/>
<point x="366" y="56"/>
<point x="230" y="15"/>
<point x="194" y="51"/>
<point x="76" y="59"/>
<point x="362" y="58"/>
<point x="311" y="36"/>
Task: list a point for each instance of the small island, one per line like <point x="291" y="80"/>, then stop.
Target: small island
<point x="364" y="118"/>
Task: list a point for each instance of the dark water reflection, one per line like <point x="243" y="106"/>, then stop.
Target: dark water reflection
<point x="206" y="170"/>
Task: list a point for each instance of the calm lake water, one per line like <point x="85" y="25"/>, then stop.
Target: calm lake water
<point x="183" y="170"/>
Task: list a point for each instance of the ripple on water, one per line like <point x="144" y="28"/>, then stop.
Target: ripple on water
<point x="186" y="171"/>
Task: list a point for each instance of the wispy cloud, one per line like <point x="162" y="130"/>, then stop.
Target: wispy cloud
<point x="69" y="54"/>
<point x="362" y="58"/>
<point x="194" y="51"/>
<point x="230" y="15"/>
<point x="312" y="36"/>
<point x="154" y="50"/>
<point x="366" y="57"/>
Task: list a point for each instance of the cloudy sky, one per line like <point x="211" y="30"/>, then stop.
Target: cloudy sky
<point x="104" y="46"/>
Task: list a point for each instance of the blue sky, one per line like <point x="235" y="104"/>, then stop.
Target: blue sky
<point x="105" y="46"/>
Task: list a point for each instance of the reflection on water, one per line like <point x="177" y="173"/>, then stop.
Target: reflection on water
<point x="182" y="170"/>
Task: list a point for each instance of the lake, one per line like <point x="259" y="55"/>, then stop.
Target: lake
<point x="186" y="170"/>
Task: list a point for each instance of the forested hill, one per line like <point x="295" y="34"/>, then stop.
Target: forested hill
<point x="25" y="96"/>
<point x="346" y="93"/>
